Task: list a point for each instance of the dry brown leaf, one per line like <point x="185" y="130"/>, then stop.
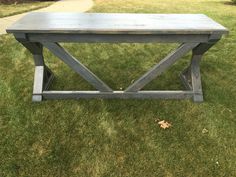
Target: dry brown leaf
<point x="164" y="124"/>
<point x="204" y="131"/>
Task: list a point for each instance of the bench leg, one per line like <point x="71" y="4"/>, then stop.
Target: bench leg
<point x="196" y="78"/>
<point x="43" y="76"/>
<point x="42" y="80"/>
<point x="191" y="76"/>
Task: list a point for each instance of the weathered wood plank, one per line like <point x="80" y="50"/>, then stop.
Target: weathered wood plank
<point x="36" y="50"/>
<point x="114" y="23"/>
<point x="203" y="47"/>
<point x="117" y="94"/>
<point x="119" y="38"/>
<point x="43" y="78"/>
<point x="38" y="83"/>
<point x="196" y="78"/>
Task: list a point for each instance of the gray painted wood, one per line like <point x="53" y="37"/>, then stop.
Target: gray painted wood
<point x="192" y="72"/>
<point x="203" y="47"/>
<point x="77" y="66"/>
<point x="196" y="78"/>
<point x="38" y="83"/>
<point x="161" y="66"/>
<point x="43" y="75"/>
<point x="36" y="50"/>
<point x="49" y="77"/>
<point x="38" y="60"/>
<point x="197" y="32"/>
<point x="119" y="38"/>
<point x="186" y="81"/>
<point x="43" y="78"/>
<point x="118" y="94"/>
<point x="112" y="23"/>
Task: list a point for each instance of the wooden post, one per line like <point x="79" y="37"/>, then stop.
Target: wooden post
<point x="43" y="75"/>
<point x="192" y="72"/>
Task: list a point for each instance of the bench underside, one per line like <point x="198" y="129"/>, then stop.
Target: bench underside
<point x="190" y="76"/>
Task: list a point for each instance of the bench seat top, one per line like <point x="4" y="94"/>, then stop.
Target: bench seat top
<point x="116" y="23"/>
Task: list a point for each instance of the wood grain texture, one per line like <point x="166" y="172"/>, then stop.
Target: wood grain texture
<point x="114" y="23"/>
<point x="118" y="38"/>
<point x="174" y="94"/>
<point x="196" y="32"/>
<point x="196" y="78"/>
<point x="38" y="83"/>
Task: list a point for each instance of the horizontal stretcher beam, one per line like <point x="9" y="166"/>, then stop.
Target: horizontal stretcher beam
<point x="118" y="38"/>
<point x="117" y="94"/>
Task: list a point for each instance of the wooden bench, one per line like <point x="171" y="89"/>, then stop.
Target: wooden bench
<point x="194" y="32"/>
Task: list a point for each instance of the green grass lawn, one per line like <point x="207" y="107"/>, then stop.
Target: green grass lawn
<point x="120" y="137"/>
<point x="7" y="10"/>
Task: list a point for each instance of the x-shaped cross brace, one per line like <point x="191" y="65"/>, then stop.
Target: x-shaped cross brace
<point x="190" y="76"/>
